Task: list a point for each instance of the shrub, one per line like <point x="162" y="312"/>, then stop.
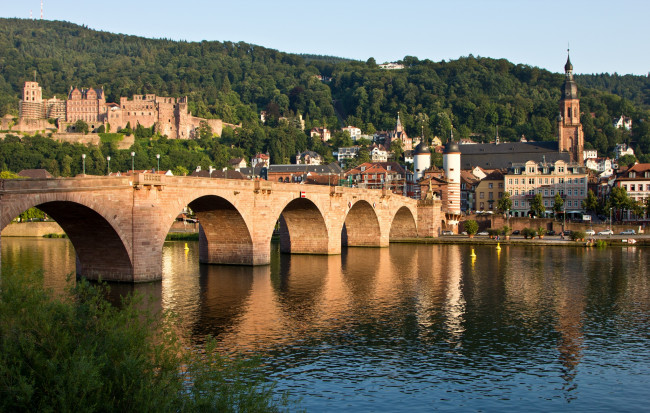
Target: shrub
<point x="506" y="230"/>
<point x="77" y="352"/>
<point x="471" y="227"/>
<point x="493" y="232"/>
<point x="578" y="235"/>
<point x="528" y="232"/>
<point x="541" y="231"/>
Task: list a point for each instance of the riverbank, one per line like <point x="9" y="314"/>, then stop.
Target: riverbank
<point x="611" y="240"/>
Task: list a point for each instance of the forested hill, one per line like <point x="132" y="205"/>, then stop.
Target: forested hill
<point x="235" y="81"/>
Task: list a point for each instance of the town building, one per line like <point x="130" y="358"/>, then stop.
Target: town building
<point x="323" y="133"/>
<point x="400" y="135"/>
<point x="309" y="158"/>
<point x="301" y="173"/>
<point x="345" y="153"/>
<point x="489" y="191"/>
<point x="378" y="153"/>
<point x="261" y="159"/>
<point x="622" y="149"/>
<point x="623" y="122"/>
<point x="378" y="175"/>
<point x="237" y="163"/>
<point x="355" y="133"/>
<point x="525" y="180"/>
<point x="451" y="159"/>
<point x="636" y="182"/>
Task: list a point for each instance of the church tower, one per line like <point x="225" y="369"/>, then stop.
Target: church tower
<point x="570" y="136"/>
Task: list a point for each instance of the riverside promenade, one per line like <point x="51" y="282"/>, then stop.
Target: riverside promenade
<point x="642" y="240"/>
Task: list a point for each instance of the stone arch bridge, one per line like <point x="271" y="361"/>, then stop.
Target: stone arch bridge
<point x="118" y="224"/>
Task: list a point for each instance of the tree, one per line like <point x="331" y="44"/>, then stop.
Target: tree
<point x="558" y="204"/>
<point x="619" y="200"/>
<point x="363" y="156"/>
<point x="471" y="227"/>
<point x="396" y="148"/>
<point x="81" y="127"/>
<point x="180" y="170"/>
<point x="505" y="203"/>
<point x="537" y="206"/>
<point x="591" y="204"/>
<point x="627" y="160"/>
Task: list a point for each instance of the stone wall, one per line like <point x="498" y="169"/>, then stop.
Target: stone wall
<point x="31" y="229"/>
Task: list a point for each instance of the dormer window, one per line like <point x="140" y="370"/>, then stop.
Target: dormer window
<point x="632" y="174"/>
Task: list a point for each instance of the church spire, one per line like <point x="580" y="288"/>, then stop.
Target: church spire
<point x="398" y="127"/>
<point x="568" y="67"/>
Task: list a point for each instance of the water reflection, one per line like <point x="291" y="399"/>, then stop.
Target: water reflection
<point x="417" y="324"/>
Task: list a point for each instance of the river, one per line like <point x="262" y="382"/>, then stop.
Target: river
<point x="416" y="327"/>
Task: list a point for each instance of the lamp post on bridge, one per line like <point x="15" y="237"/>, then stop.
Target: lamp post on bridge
<point x="108" y="165"/>
<point x="83" y="162"/>
<point x="132" y="163"/>
<point x="158" y="159"/>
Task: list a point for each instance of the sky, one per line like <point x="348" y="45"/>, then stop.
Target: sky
<point x="604" y="36"/>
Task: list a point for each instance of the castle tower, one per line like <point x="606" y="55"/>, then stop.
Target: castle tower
<point x="31" y="107"/>
<point x="570" y="136"/>
<point x="398" y="126"/>
<point x="451" y="165"/>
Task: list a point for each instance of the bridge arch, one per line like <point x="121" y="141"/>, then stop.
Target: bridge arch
<point x="224" y="236"/>
<point x="103" y="251"/>
<point x="302" y="228"/>
<point x="403" y="224"/>
<point x="361" y="227"/>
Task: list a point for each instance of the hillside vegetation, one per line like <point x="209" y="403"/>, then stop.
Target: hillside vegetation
<point x="235" y="81"/>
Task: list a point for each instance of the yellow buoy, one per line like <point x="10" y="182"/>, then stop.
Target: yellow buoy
<point x="186" y="247"/>
<point x="472" y="254"/>
<point x="498" y="246"/>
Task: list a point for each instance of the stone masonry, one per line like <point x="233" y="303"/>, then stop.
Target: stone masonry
<point x="118" y="224"/>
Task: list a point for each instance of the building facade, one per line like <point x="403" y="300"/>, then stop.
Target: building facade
<point x="524" y="181"/>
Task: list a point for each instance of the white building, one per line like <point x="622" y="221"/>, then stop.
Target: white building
<point x="349" y="152"/>
<point x="623" y="122"/>
<point x="355" y="133"/>
<point x="590" y="154"/>
<point x="379" y="153"/>
<point x="622" y="150"/>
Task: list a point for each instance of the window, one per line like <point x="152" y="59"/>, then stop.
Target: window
<point x="516" y="181"/>
<point x="482" y="195"/>
<point x="500" y="184"/>
<point x="552" y="192"/>
<point x="490" y="195"/>
<point x="516" y="203"/>
<point x="632" y="187"/>
<point x="500" y="195"/>
<point x="539" y="181"/>
<point x="552" y="181"/>
<point x="516" y="192"/>
<point x="482" y="205"/>
<point x="531" y="170"/>
<point x="546" y="192"/>
<point x="546" y="202"/>
<point x="560" y="168"/>
<point x="625" y="187"/>
<point x="510" y="181"/>
<point x="545" y="181"/>
<point x="490" y="185"/>
<point x="560" y="180"/>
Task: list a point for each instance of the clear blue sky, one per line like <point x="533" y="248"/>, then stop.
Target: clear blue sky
<point x="605" y="36"/>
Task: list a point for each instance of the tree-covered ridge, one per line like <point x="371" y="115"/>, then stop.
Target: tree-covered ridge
<point x="236" y="81"/>
<point x="231" y="81"/>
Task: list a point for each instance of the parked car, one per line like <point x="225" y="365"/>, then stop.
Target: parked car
<point x="516" y="232"/>
<point x="606" y="232"/>
<point x="447" y="233"/>
<point x="590" y="232"/>
<point x="483" y="233"/>
<point x="550" y="232"/>
<point x="628" y="232"/>
<point x="567" y="233"/>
